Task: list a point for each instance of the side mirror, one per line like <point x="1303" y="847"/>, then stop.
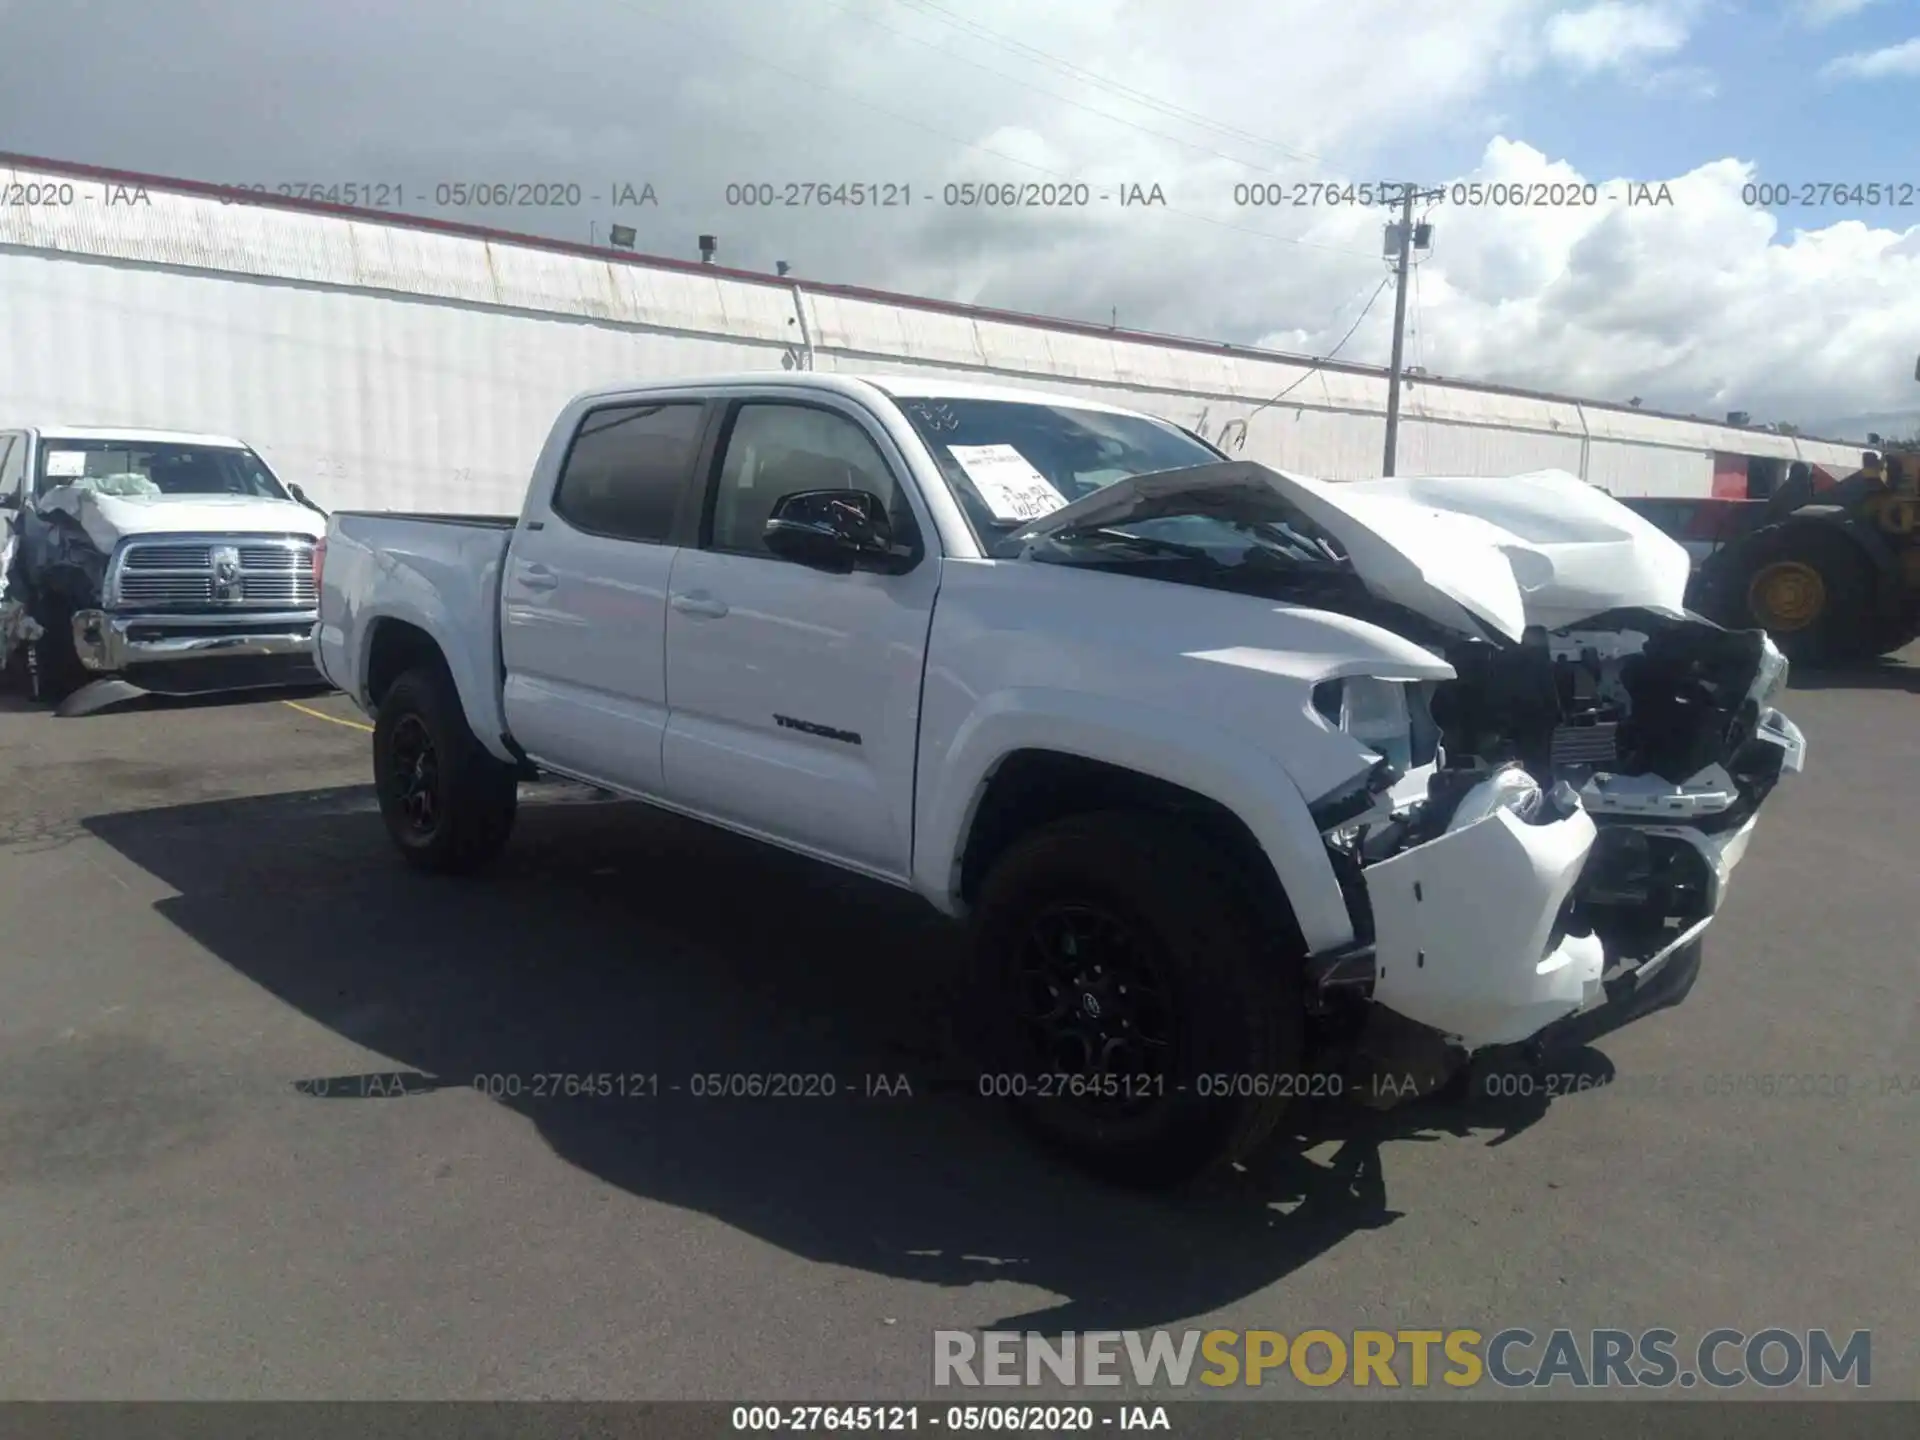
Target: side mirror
<point x="834" y="530"/>
<point x="293" y="489"/>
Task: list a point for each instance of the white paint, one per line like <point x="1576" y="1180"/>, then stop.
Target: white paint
<point x="108" y="519"/>
<point x="1461" y="928"/>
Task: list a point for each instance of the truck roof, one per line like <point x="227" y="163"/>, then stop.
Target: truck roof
<point x="138" y="432"/>
<point x="898" y="387"/>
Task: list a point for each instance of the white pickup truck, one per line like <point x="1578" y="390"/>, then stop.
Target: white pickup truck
<point x="175" y="562"/>
<point x="1227" y="768"/>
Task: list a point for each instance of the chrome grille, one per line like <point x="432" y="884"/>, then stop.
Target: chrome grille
<point x="290" y="591"/>
<point x="272" y="575"/>
<point x="169" y="557"/>
<point x="139" y="589"/>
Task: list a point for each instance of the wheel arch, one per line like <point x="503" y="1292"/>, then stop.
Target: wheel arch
<point x="1014" y="768"/>
<point x="1032" y="788"/>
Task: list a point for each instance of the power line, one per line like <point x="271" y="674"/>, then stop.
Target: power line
<point x="1314" y="368"/>
<point x="1092" y="77"/>
<point x="1052" y="94"/>
<point x="919" y="124"/>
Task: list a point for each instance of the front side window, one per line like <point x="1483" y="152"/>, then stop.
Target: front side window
<point x="1010" y="462"/>
<point x="627" y="469"/>
<point x="777" y="450"/>
<point x="146" y="471"/>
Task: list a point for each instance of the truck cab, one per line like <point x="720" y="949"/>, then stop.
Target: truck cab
<point x="175" y="561"/>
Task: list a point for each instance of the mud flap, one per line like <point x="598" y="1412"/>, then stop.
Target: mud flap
<point x="1465" y="929"/>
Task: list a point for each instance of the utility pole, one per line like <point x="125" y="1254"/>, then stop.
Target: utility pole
<point x="1402" y="240"/>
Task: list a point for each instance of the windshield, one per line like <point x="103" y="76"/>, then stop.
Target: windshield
<point x="144" y="470"/>
<point x="1009" y="462"/>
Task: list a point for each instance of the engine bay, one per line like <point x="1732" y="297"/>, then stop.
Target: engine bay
<point x="1660" y="730"/>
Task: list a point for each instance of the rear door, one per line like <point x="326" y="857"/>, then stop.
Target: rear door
<point x="583" y="599"/>
<point x="796" y="692"/>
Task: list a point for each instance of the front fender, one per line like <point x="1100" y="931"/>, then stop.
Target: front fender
<point x="1178" y="748"/>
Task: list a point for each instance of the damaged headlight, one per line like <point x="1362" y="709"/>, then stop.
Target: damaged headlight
<point x="1511" y="788"/>
<point x="1770" y="676"/>
<point x="1389" y="717"/>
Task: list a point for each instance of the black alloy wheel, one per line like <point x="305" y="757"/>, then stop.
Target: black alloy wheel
<point x="1099" y="1011"/>
<point x="414" y="775"/>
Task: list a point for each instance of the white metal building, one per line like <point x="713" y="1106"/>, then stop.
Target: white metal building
<point x="392" y="363"/>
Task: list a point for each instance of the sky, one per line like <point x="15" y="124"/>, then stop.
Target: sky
<point x="1719" y="200"/>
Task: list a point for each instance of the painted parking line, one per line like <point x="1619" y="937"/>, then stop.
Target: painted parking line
<point x="322" y="715"/>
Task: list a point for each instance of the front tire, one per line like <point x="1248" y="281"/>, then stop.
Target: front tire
<point x="448" y="805"/>
<point x="1144" y="1025"/>
<point x="50" y="665"/>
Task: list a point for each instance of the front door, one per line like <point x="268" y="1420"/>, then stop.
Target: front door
<point x="796" y="692"/>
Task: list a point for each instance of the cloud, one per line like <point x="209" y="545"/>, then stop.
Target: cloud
<point x="1827" y="12"/>
<point x="1704" y="304"/>
<point x="1902" y="59"/>
<point x="1613" y="34"/>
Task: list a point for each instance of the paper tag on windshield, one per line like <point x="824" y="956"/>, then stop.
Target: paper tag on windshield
<point x="65" y="464"/>
<point x="1012" y="488"/>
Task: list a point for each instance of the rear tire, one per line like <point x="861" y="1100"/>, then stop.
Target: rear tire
<point x="1127" y="937"/>
<point x="448" y="805"/>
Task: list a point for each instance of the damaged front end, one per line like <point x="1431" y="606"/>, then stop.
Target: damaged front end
<point x="1555" y="830"/>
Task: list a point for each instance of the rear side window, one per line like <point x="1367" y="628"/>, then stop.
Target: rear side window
<point x="627" y="469"/>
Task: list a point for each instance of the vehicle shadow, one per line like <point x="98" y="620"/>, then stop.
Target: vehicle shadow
<point x="116" y="697"/>
<point x="614" y="940"/>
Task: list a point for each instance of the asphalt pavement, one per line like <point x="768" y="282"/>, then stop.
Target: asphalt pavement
<point x="280" y="1119"/>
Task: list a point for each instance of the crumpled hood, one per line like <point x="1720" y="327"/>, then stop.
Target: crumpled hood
<point x="1474" y="554"/>
<point x="1575" y="551"/>
<point x="109" y="519"/>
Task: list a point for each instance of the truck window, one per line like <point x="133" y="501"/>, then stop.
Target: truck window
<point x="777" y="450"/>
<point x="627" y="469"/>
<point x="138" y="467"/>
<point x="13" y="466"/>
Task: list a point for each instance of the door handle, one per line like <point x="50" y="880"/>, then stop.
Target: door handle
<point x="538" y="577"/>
<point x="700" y="603"/>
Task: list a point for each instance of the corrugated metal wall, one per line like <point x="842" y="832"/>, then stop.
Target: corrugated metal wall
<point x="384" y="365"/>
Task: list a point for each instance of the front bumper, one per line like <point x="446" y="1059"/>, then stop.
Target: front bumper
<point x="1501" y="931"/>
<point x="110" y="644"/>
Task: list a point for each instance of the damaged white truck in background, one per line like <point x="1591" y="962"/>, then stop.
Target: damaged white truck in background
<point x="175" y="563"/>
<point x="1245" y="782"/>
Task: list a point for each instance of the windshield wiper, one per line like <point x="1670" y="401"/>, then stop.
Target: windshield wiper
<point x="1146" y="543"/>
<point x="1285" y="540"/>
